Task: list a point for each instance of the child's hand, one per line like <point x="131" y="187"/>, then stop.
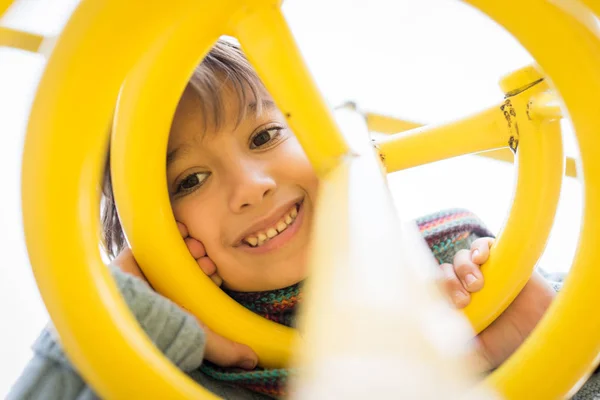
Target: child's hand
<point x="218" y="350"/>
<point x="126" y="262"/>
<point x="464" y="276"/>
<point x="499" y="340"/>
<point x="197" y="250"/>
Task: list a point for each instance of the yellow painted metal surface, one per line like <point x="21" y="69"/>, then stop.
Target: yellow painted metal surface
<point x="20" y="40"/>
<point x="62" y="165"/>
<point x="565" y="345"/>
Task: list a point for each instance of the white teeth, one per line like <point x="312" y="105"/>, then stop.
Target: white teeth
<point x="261" y="238"/>
<point x="271" y="233"/>
<point x="281" y="226"/>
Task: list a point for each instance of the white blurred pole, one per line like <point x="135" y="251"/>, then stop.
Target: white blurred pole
<point x="374" y="323"/>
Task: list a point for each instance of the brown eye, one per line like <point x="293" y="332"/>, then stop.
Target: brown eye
<point x="265" y="137"/>
<point x="192" y="181"/>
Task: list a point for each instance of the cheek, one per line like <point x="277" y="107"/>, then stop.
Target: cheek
<point x="298" y="167"/>
<point x="200" y="219"/>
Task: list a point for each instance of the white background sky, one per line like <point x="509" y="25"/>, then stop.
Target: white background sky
<point x="428" y="61"/>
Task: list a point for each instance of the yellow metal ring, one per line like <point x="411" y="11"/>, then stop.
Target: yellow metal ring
<point x="62" y="165"/>
<point x="146" y="105"/>
<point x="564" y="347"/>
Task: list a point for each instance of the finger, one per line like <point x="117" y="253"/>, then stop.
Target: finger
<point x="216" y="279"/>
<point x="226" y="353"/>
<point x="207" y="266"/>
<point x="195" y="247"/>
<point x="453" y="287"/>
<point x="480" y="250"/>
<point x="467" y="271"/>
<point x="182" y="230"/>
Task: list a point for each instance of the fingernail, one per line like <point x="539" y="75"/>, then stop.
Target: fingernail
<point x="470" y="279"/>
<point x="248" y="364"/>
<point x="459" y="297"/>
<point x="474" y="254"/>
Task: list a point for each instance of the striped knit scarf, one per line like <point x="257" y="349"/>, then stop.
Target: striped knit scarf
<point x="446" y="232"/>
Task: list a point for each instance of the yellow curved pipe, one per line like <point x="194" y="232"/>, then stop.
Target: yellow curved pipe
<point x="541" y="369"/>
<point x="62" y="165"/>
<point x="521" y="241"/>
<point x="142" y="123"/>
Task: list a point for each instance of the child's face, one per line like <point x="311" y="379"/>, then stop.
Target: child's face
<point x="238" y="185"/>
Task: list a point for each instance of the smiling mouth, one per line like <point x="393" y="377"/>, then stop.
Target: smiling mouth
<point x="260" y="238"/>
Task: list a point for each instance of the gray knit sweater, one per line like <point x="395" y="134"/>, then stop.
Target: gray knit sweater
<point x="49" y="375"/>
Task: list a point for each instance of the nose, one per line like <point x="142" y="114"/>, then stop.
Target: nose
<point x="251" y="183"/>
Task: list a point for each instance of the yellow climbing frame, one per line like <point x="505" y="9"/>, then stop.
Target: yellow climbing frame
<point x="62" y="168"/>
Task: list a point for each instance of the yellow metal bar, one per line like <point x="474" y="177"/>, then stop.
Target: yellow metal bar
<point x="564" y="347"/>
<point x="146" y="106"/>
<point x="64" y="155"/>
<point x="387" y="124"/>
<point x="486" y="130"/>
<point x="543" y="106"/>
<point x="20" y="40"/>
<point x="270" y="46"/>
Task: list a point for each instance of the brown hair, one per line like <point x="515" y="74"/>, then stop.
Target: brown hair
<point x="224" y="65"/>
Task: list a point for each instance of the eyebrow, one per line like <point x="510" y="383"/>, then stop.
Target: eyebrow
<point x="173" y="154"/>
<point x="266" y="103"/>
